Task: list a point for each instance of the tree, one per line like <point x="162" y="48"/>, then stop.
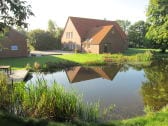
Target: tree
<point x="55" y="30"/>
<point x="136" y="34"/>
<point x="124" y="24"/>
<point x="59" y="33"/>
<point x="157" y="17"/>
<point x="42" y="40"/>
<point x="14" y="12"/>
<point x="52" y="26"/>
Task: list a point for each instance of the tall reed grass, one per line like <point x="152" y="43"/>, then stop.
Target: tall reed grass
<point x="38" y="100"/>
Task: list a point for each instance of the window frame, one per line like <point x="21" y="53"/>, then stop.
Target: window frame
<point x="14" y="48"/>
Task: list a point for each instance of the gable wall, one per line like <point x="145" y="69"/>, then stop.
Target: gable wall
<point x="75" y="41"/>
<point x="14" y="38"/>
<point x="113" y="42"/>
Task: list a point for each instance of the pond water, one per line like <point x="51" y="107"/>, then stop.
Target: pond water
<point x="129" y="88"/>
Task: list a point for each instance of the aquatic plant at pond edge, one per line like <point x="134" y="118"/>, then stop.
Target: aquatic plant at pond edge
<point x="4" y="92"/>
<point x="38" y="100"/>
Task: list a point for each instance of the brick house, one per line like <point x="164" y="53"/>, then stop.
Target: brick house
<point x="93" y="36"/>
<point x="13" y="45"/>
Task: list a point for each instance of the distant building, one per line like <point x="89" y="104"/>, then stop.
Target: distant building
<point x="93" y="36"/>
<point x="13" y="45"/>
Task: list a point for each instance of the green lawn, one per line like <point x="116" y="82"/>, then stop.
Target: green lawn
<point x="132" y="54"/>
<point x="19" y="63"/>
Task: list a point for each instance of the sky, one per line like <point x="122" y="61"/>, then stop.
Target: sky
<point x="60" y="10"/>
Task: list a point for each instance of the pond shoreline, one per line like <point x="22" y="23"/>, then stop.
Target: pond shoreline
<point x="144" y="59"/>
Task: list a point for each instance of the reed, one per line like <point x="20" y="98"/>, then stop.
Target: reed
<point x="38" y="100"/>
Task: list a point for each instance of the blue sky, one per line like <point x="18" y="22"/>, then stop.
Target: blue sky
<point x="59" y="10"/>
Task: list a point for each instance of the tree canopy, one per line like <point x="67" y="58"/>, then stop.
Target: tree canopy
<point x="124" y="24"/>
<point x="14" y="12"/>
<point x="157" y="17"/>
<point x="42" y="40"/>
<point x="52" y="26"/>
<point x="136" y="34"/>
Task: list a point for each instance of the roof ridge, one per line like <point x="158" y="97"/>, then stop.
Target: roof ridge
<point x="91" y="19"/>
<point x="84" y="25"/>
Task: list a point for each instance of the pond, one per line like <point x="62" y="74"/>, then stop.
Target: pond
<point x="128" y="87"/>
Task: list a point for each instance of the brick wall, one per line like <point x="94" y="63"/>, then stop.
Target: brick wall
<point x="113" y="42"/>
<point x="14" y="39"/>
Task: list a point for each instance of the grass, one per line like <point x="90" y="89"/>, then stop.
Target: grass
<point x="130" y="55"/>
<point x="38" y="100"/>
<point x="151" y="119"/>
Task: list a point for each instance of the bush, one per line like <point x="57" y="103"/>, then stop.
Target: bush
<point x="42" y="40"/>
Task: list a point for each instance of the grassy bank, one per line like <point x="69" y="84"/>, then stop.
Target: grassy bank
<point x="131" y="55"/>
<point x="151" y="119"/>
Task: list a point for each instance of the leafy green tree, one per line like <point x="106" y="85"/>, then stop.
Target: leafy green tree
<point x="52" y="26"/>
<point x="157" y="17"/>
<point x="59" y="34"/>
<point x="14" y="12"/>
<point x="22" y="30"/>
<point x="55" y="30"/>
<point x="42" y="40"/>
<point x="124" y="24"/>
<point x="136" y="34"/>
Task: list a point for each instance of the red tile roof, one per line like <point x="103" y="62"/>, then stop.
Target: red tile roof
<point x="96" y="35"/>
<point x="85" y="25"/>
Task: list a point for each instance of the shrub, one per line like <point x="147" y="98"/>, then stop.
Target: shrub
<point x="42" y="40"/>
<point x="37" y="66"/>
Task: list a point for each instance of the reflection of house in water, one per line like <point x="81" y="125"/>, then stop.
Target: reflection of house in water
<point x="77" y="74"/>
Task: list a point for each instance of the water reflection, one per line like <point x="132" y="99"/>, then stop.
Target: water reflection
<point x="128" y="87"/>
<point x="155" y="89"/>
<point x="78" y="74"/>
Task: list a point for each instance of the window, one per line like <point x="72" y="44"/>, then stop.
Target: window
<point x="14" y="47"/>
<point x="69" y="35"/>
